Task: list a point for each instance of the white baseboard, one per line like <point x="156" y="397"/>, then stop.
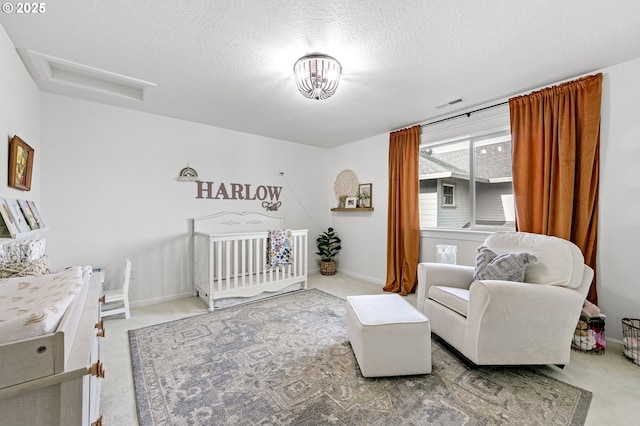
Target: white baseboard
<point x="362" y="277"/>
<point x="352" y="275"/>
<point x="613" y="341"/>
<point x="162" y="299"/>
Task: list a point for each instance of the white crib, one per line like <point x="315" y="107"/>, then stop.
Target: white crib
<point x="229" y="254"/>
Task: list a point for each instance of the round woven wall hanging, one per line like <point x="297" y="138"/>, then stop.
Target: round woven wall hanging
<point x="346" y="184"/>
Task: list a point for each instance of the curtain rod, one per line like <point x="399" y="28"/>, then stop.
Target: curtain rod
<point x="604" y="70"/>
<point x="468" y="114"/>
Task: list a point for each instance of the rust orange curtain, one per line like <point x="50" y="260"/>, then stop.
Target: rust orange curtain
<point x="403" y="223"/>
<point x="555" y="137"/>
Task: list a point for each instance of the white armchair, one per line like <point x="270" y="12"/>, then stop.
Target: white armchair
<point x="493" y="322"/>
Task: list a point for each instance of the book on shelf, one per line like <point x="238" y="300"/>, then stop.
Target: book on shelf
<point x="36" y="214"/>
<point x="28" y="214"/>
<point x="17" y="215"/>
<point x="8" y="220"/>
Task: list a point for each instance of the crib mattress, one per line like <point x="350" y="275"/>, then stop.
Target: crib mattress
<point x="33" y="306"/>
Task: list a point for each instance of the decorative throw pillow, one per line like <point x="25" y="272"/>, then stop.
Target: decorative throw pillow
<point x="31" y="250"/>
<point x="484" y="258"/>
<point x="13" y="252"/>
<point x="22" y="251"/>
<point x="506" y="266"/>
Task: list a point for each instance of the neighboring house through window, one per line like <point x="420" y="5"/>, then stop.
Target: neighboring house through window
<point x="465" y="178"/>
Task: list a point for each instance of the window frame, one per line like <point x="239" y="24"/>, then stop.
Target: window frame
<point x="471" y="139"/>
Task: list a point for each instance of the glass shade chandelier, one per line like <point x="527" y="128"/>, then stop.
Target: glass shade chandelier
<point x="317" y="76"/>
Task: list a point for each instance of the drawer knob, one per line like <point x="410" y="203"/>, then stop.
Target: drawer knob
<point x="100" y="326"/>
<point x="96" y="369"/>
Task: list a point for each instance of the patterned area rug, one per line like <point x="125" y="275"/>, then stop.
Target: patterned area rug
<point x="286" y="360"/>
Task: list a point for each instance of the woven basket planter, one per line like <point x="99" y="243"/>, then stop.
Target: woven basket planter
<point x="328" y="268"/>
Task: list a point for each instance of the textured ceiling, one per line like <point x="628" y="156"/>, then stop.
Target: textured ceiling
<point x="229" y="63"/>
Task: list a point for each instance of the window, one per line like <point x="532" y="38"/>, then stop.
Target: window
<point x="448" y="195"/>
<point x="466" y="183"/>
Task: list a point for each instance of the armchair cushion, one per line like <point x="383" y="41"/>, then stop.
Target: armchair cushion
<point x="506" y="266"/>
<point x="558" y="263"/>
<point x="456" y="299"/>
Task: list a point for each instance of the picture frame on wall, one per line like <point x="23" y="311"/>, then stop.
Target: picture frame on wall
<point x="20" y="164"/>
<point x="365" y="193"/>
<point x="351" y="202"/>
<point x="343" y="202"/>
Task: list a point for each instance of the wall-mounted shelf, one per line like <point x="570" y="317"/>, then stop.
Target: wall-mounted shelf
<point x="19" y="220"/>
<point x="356" y="209"/>
<point x="5" y="235"/>
<point x="362" y="201"/>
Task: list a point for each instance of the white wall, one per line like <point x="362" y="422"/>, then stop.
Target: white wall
<point x="109" y="188"/>
<point x="619" y="215"/>
<point x="466" y="242"/>
<point x="363" y="234"/>
<point x="19" y="115"/>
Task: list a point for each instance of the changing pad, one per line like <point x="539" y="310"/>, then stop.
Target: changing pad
<point x="33" y="306"/>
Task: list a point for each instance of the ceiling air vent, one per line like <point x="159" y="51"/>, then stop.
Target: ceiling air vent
<point x="448" y="104"/>
<point x="53" y="73"/>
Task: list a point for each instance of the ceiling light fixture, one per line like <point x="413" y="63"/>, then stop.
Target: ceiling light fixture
<point x="317" y="76"/>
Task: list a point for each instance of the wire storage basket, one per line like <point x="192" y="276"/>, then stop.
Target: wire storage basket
<point x="631" y="339"/>
<point x="589" y="335"/>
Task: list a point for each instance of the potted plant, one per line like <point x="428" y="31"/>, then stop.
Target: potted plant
<point x="328" y="244"/>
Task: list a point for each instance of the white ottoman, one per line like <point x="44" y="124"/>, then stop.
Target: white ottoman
<point x="388" y="335"/>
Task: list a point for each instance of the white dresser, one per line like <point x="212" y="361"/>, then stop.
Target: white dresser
<point x="72" y="396"/>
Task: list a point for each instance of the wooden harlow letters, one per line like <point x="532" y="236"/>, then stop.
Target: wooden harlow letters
<point x="269" y="195"/>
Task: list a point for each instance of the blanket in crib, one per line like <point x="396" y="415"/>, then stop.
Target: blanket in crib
<point x="280" y="247"/>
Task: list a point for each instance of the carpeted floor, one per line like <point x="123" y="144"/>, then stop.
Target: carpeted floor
<point x="286" y="360"/>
